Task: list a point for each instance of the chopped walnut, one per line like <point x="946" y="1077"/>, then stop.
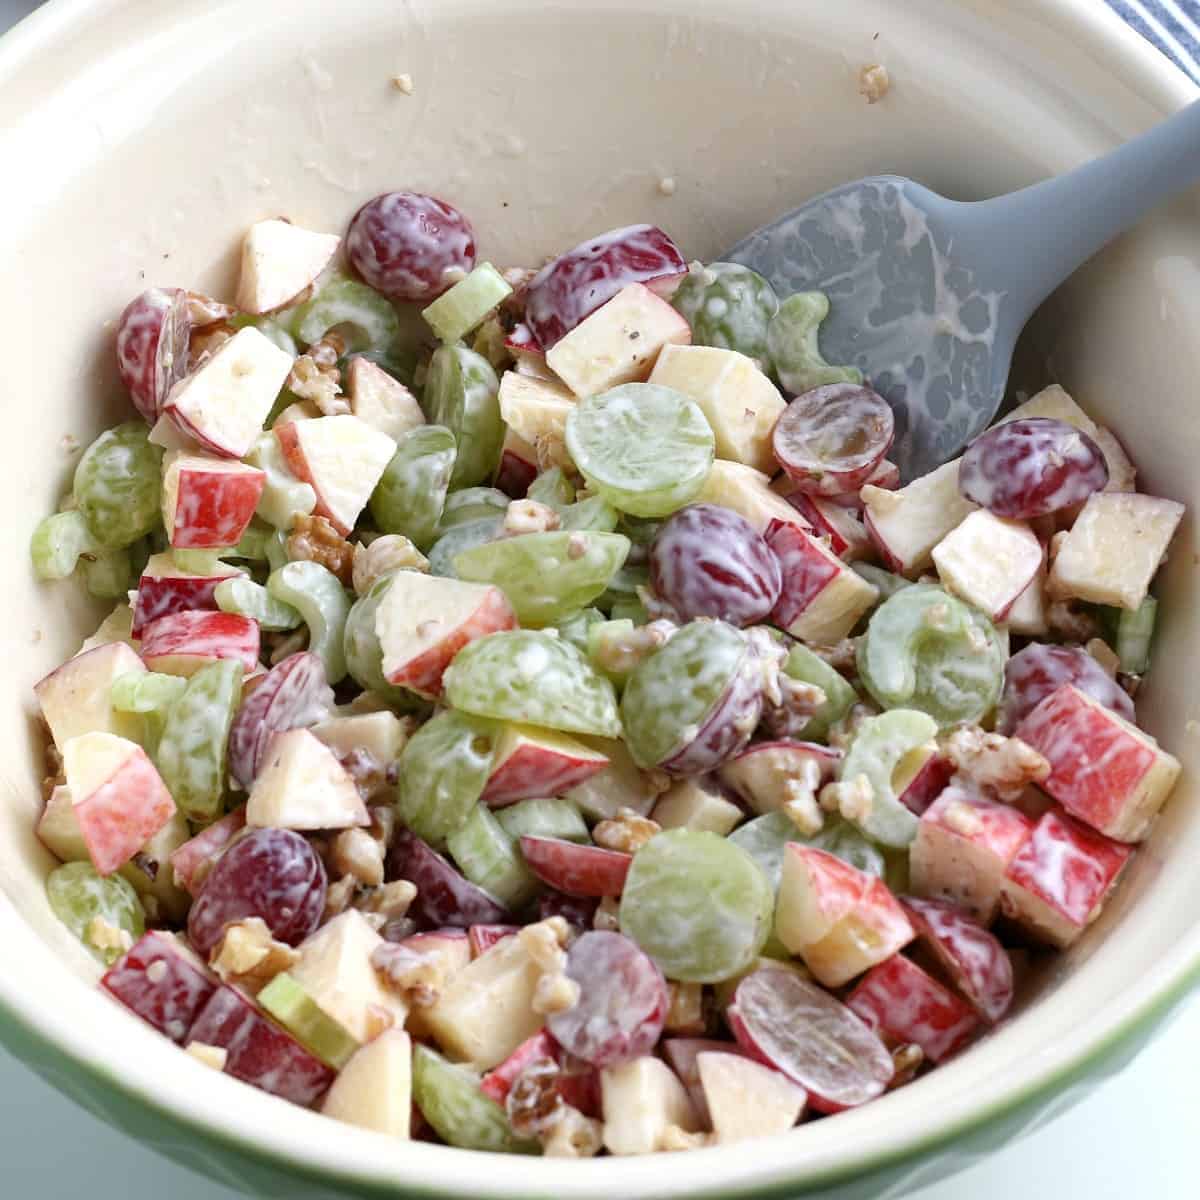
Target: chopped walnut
<point x="370" y="776"/>
<point x="873" y="82"/>
<point x="339" y="896"/>
<point x="554" y="994"/>
<point x="106" y="936"/>
<point x="314" y="539"/>
<point x="529" y="516"/>
<point x="315" y="376"/>
<point x="403" y="83"/>
<point x="842" y="657"/>
<point x="852" y="798"/>
<point x="607" y="916"/>
<point x="572" y="1135"/>
<point x="211" y="1056"/>
<point x="284" y="645"/>
<point x="802" y="808"/>
<point x="675" y="1137"/>
<point x="327" y="351"/>
<point x="628" y="831"/>
<point x="534" y="1102"/>
<point x="685" y="1009"/>
<point x="391" y="901"/>
<point x="383" y="819"/>
<point x="206" y="341"/>
<point x="357" y="854"/>
<point x="798" y="703"/>
<point x="1105" y="655"/>
<point x="544" y="942"/>
<point x="392" y="552"/>
<point x="204" y="310"/>
<point x="249" y="956"/>
<point x="990" y="762"/>
<point x="417" y="975"/>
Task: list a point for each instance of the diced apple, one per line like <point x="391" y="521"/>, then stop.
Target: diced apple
<point x="497" y="1083"/>
<point x="847" y="535"/>
<point x="1028" y="616"/>
<point x="342" y="458"/>
<point x="535" y="412"/>
<point x="116" y="627"/>
<point x="908" y="1006"/>
<point x="423" y="621"/>
<point x="224" y="402"/>
<point x="374" y="1090"/>
<point x="301" y="785"/>
<point x="380" y="401"/>
<point x="988" y="561"/>
<point x="183" y="642"/>
<point x="838" y="919"/>
<point x="1111" y="553"/>
<point x="164" y="982"/>
<point x="920" y="776"/>
<point x="165" y="588"/>
<point x="518" y="466"/>
<point x="620" y="785"/>
<point x="682" y="1053"/>
<point x="746" y="1099"/>
<point x="196" y="855"/>
<point x="905" y="525"/>
<point x="280" y="260"/>
<point x="822" y="599"/>
<point x="574" y="869"/>
<point x="689" y="804"/>
<point x="532" y="762"/>
<point x="58" y="827"/>
<point x="641" y="1098"/>
<point x="1057" y="884"/>
<point x="739" y="401"/>
<point x="748" y="493"/>
<point x="365" y="738"/>
<point x="1055" y="403"/>
<point x="448" y="951"/>
<point x="767" y="775"/>
<point x="120" y="800"/>
<point x="963" y="846"/>
<point x="528" y="355"/>
<point x="207" y="502"/>
<point x="76" y="697"/>
<point x="618" y="343"/>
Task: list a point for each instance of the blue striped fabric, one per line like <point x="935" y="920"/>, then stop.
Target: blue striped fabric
<point x="1171" y="25"/>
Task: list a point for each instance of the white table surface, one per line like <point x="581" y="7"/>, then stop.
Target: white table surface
<point x="1134" y="1138"/>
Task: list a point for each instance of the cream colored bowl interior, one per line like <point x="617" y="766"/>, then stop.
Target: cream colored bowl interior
<point x="140" y="139"/>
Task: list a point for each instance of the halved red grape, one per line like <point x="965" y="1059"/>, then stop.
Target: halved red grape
<point x="623" y="1001"/>
<point x="708" y="561"/>
<point x="270" y="873"/>
<point x="1037" y="670"/>
<point x="1032" y="467"/>
<point x="578" y="911"/>
<point x="152" y="347"/>
<point x="410" y="246"/>
<point x="831" y="439"/>
<point x="575" y="284"/>
<point x="444" y="897"/>
<point x="574" y="869"/>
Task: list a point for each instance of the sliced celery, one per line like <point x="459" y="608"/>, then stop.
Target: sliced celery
<point x="467" y="304"/>
<point x="1135" y="631"/>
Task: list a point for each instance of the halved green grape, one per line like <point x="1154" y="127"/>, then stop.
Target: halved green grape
<point x="698" y="904"/>
<point x="544" y="818"/>
<point x="927" y="650"/>
<point x="117" y="485"/>
<point x="364" y="654"/>
<point x="533" y="677"/>
<point x="411" y="494"/>
<point x="150" y="695"/>
<point x="646" y="449"/>
<point x="593" y="513"/>
<point x="462" y="392"/>
<point x="191" y="751"/>
<point x="887" y="583"/>
<point x="575" y="627"/>
<point x="879" y="750"/>
<point x="249" y="599"/>
<point x="472" y="504"/>
<point x="442" y="774"/>
<point x="546" y="575"/>
<point x="487" y="854"/>
<point x="86" y="901"/>
<point x="109" y="574"/>
<point x="765" y="837"/>
<point x="360" y="314"/>
<point x="454" y="541"/>
<point x="628" y="608"/>
<point x="806" y="667"/>
<point x="728" y="306"/>
<point x="317" y="595"/>
<point x="284" y="497"/>
<point x="552" y="487"/>
<point x="793" y="347"/>
<point x="456" y="312"/>
<point x="58" y="542"/>
<point x="450" y="1099"/>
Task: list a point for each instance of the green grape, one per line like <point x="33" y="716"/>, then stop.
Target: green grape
<point x="806" y="667"/>
<point x="462" y="392"/>
<point x="79" y="895"/>
<point x="544" y="818"/>
<point x="472" y="504"/>
<point x="451" y="1101"/>
<point x="442" y="774"/>
<point x="365" y="319"/>
<point x="191" y="751"/>
<point x="150" y="696"/>
<point x="593" y="514"/>
<point x="451" y="544"/>
<point x="117" y="485"/>
<point x="629" y="608"/>
<point x="552" y="488"/>
<point x="253" y="546"/>
<point x="318" y="596"/>
<point x="488" y="856"/>
<point x="886" y="583"/>
<point x="249" y="599"/>
<point x="927" y="650"/>
<point x="728" y="306"/>
<point x="880" y="746"/>
<point x="698" y="904"/>
<point x="601" y="638"/>
<point x="793" y="347"/>
<point x="109" y="575"/>
<point x="764" y="839"/>
<point x="546" y="575"/>
<point x="641" y="531"/>
<point x="535" y="678"/>
<point x="58" y="542"/>
<point x="646" y="449"/>
<point x="411" y="494"/>
<point x="284" y="497"/>
<point x="575" y="626"/>
<point x="364" y="654"/>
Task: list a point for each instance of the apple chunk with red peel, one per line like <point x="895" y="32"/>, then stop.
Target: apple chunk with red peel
<point x="535" y="412"/>
<point x="906" y="1005"/>
<point x="533" y="762"/>
<point x="280" y="260"/>
<point x="920" y="777"/>
<point x="1056" y="886"/>
<point x="497" y="1083"/>
<point x="1103" y="769"/>
<point x="767" y="775"/>
<point x="641" y="1098"/>
<point x="518" y="466"/>
<point x="423" y="621"/>
<point x="483" y="937"/>
<point x="847" y="534"/>
<point x="76" y="698"/>
<point x="748" y="493"/>
<point x="119" y="799"/>
<point x="152" y="347"/>
<point x="971" y="957"/>
<point x="182" y="643"/>
<point x="838" y="919"/>
<point x="380" y="401"/>
<point x="446" y="952"/>
<point x="207" y="502"/>
<point x="988" y="561"/>
<point x="190" y="859"/>
<point x="746" y="1099"/>
<point x="224" y="402"/>
<point x="963" y="847"/>
<point x="343" y="459"/>
<point x="821" y="599"/>
<point x="166" y="588"/>
<point x="301" y="785"/>
<point x="574" y="869"/>
<point x="444" y="897"/>
<point x="682" y="1053"/>
<point x="164" y="982"/>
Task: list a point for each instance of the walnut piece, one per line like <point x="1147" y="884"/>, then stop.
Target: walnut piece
<point x="627" y="832"/>
<point x="797" y="703"/>
<point x="392" y="552"/>
<point x="873" y="82"/>
<point x="554" y="994"/>
<point x="211" y="1056"/>
<point x="529" y="516"/>
<point x="391" y="901"/>
<point x="315" y="376"/>
<point x="842" y="732"/>
<point x="314" y="539"/>
<point x="1071" y="624"/>
<point x="572" y="1135"/>
<point x="206" y="341"/>
<point x="339" y="896"/>
<point x="357" y="854"/>
<point x="417" y="975"/>
<point x="842" y="657"/>
<point x="204" y="310"/>
<point x="994" y="764"/>
<point x="1105" y="655"/>
<point x="52" y="767"/>
<point x="685" y="1010"/>
<point x="620" y="652"/>
<point x="852" y="798"/>
<point x="544" y="942"/>
<point x="249" y="956"/>
<point x="106" y="936"/>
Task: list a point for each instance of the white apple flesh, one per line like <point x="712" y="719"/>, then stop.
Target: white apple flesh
<point x="301" y="785"/>
<point x="280" y="260"/>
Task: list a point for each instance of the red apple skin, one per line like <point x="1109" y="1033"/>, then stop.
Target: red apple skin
<point x="214" y="507"/>
<point x="497" y="1083"/>
<point x="289" y="443"/>
<point x="847" y="537"/>
<point x="534" y="770"/>
<point x="575" y="869"/>
<point x="204" y="847"/>
<point x="124" y="813"/>
<point x="260" y="1053"/>
<point x="164" y="595"/>
<point x="484" y="937"/>
<point x="927" y="784"/>
<point x="152" y="347"/>
<point x="172" y="996"/>
<point x="881" y="547"/>
<point x="806" y="571"/>
<point x="201" y="637"/>
<point x="681" y="1054"/>
<point x="517" y="469"/>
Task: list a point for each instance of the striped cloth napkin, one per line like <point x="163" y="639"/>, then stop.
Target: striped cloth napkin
<point x="1171" y="25"/>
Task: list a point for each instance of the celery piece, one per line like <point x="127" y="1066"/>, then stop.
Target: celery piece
<point x="58" y="542"/>
<point x="456" y="312"/>
<point x="1135" y="631"/>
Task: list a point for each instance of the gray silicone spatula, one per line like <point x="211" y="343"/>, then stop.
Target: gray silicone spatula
<point x="929" y="295"/>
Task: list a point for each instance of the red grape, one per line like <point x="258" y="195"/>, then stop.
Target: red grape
<point x="707" y="561"/>
<point x="575" y="284"/>
<point x="831" y="439"/>
<point x="1031" y="468"/>
<point x="444" y="897"/>
<point x="577" y="911"/>
<point x="623" y="1001"/>
<point x="1037" y="670"/>
<point x="410" y="246"/>
<point x="152" y="347"/>
<point x="574" y="869"/>
<point x="270" y="873"/>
